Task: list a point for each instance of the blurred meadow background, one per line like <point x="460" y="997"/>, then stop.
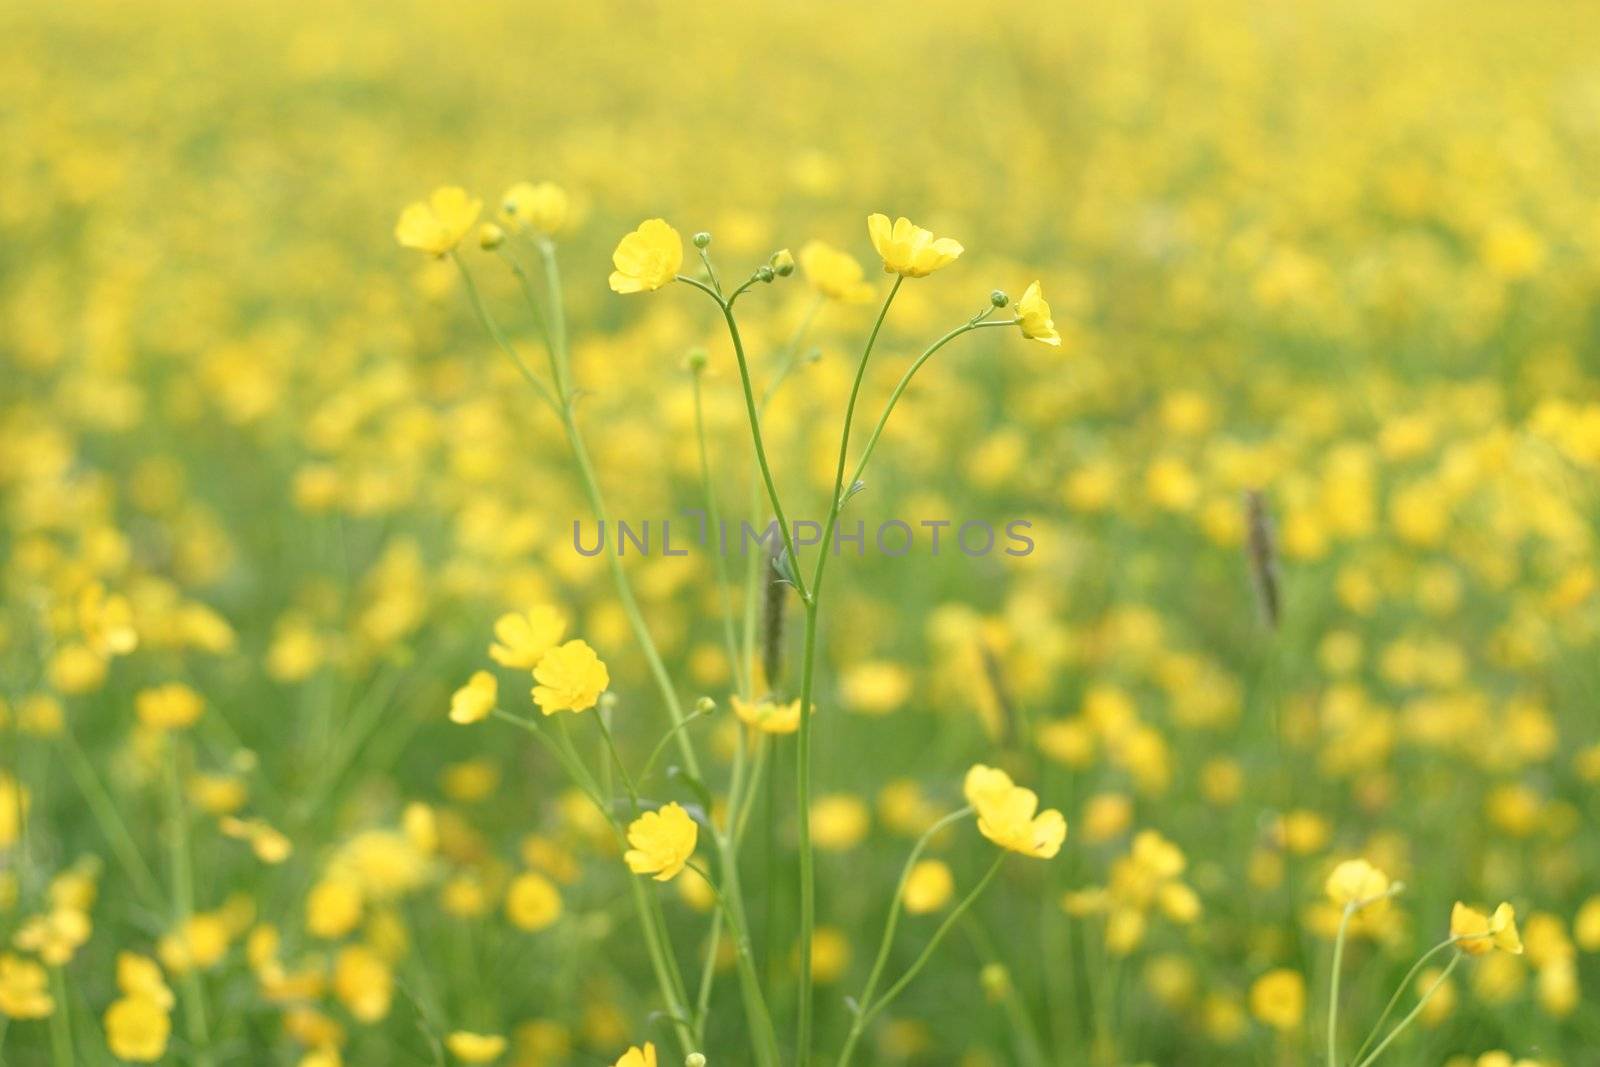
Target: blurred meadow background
<point x="261" y="469"/>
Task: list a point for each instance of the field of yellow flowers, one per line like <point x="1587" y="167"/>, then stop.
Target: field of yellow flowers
<point x="799" y="535"/>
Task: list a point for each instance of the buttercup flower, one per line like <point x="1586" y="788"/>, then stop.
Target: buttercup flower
<point x="928" y="887"/>
<point x="766" y="715"/>
<point x="474" y="701"/>
<point x="1006" y="814"/>
<point x="638" y="1057"/>
<point x="1278" y="998"/>
<point x="908" y="249"/>
<point x="140" y="976"/>
<point x="137" y="1029"/>
<point x="1033" y="317"/>
<point x="532" y="902"/>
<point x="469" y="1047"/>
<point x="986" y="784"/>
<point x="647" y="258"/>
<point x="522" y="640"/>
<point x="24" y="989"/>
<point x="1478" y="934"/>
<point x="662" y="842"/>
<point x="571" y="677"/>
<point x="542" y="207"/>
<point x="438" y="224"/>
<point x="1356" y="882"/>
<point x="835" y="274"/>
<point x="172" y="706"/>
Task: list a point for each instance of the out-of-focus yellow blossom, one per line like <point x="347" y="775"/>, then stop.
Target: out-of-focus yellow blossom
<point x="363" y="983"/>
<point x="438" y="224"/>
<point x="1033" y="317"/>
<point x="195" y="945"/>
<point x="833" y="273"/>
<point x="1278" y="999"/>
<point x="929" y="886"/>
<point x="474" y="701"/>
<point x="13" y="809"/>
<point x="1586" y="926"/>
<point x="766" y="715"/>
<point x="140" y="976"/>
<point x="662" y="842"/>
<point x="56" y="935"/>
<point x="1478" y="934"/>
<point x="137" y="1029"/>
<point x="571" y="677"/>
<point x="521" y="640"/>
<point x="172" y="706"/>
<point x="24" y="988"/>
<point x="333" y="908"/>
<point x="647" y="258"/>
<point x="469" y="1047"/>
<point x="532" y="902"/>
<point x="543" y="207"/>
<point x="637" y="1056"/>
<point x="839" y="822"/>
<point x="268" y="843"/>
<point x="875" y="687"/>
<point x="830" y="954"/>
<point x="1356" y="882"/>
<point x="908" y="249"/>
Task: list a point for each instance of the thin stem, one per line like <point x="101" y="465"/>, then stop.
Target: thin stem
<point x="1400" y="990"/>
<point x="866" y="1013"/>
<point x="568" y="760"/>
<point x="111" y="823"/>
<point x="714" y="522"/>
<point x="60" y="1023"/>
<point x="558" y="320"/>
<point x="898" y="903"/>
<point x="194" y="1005"/>
<point x="499" y="338"/>
<point x="1412" y="1015"/>
<point x="616" y="757"/>
<point x="1333" y="985"/>
<point x="767" y="1039"/>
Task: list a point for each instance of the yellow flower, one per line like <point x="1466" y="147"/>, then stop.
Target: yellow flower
<point x="137" y="1029"/>
<point x="1006" y="814"/>
<point x="1356" y="882"/>
<point x="532" y="902"/>
<point x="638" y="1057"/>
<point x="333" y="907"/>
<point x="542" y="207"/>
<point x="475" y="1048"/>
<point x="198" y="944"/>
<point x="1478" y="934"/>
<point x="56" y="935"/>
<point x="767" y="715"/>
<point x="908" y="249"/>
<point x="172" y="706"/>
<point x="835" y="274"/>
<point x="474" y="701"/>
<point x="438" y="224"/>
<point x="1033" y="317"/>
<point x="363" y="983"/>
<point x="571" y="677"/>
<point x="140" y="976"/>
<point x="1278" y="998"/>
<point x="24" y="989"/>
<point x="13" y="809"/>
<point x="522" y="640"/>
<point x="928" y="887"/>
<point x="839" y="822"/>
<point x="662" y="842"/>
<point x="647" y="258"/>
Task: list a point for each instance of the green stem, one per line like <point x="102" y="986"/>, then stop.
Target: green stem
<point x="866" y="1013"/>
<point x="766" y="1036"/>
<point x="182" y="869"/>
<point x="1400" y="990"/>
<point x="1333" y="985"/>
<point x="60" y="1023"/>
<point x="714" y="525"/>
<point x="1412" y="1015"/>
<point x="499" y="338"/>
<point x="616" y="757"/>
<point x="111" y="824"/>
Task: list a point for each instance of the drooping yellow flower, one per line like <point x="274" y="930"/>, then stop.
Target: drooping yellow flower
<point x="766" y="715"/>
<point x="1478" y="934"/>
<point x="909" y="250"/>
<point x="1278" y="999"/>
<point x="137" y="1029"/>
<point x="171" y="706"/>
<point x="140" y="976"/>
<point x="571" y="677"/>
<point x="928" y="887"/>
<point x="532" y="902"/>
<point x="542" y="207"/>
<point x="438" y="224"/>
<point x="522" y="640"/>
<point x="638" y="1057"/>
<point x="1356" y="882"/>
<point x="469" y="1047"/>
<point x="662" y="842"/>
<point x="1014" y="822"/>
<point x="833" y="273"/>
<point x="24" y="989"/>
<point x="647" y="258"/>
<point x="474" y="701"/>
<point x="1033" y="317"/>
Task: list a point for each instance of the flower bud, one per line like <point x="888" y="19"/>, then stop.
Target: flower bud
<point x="705" y="706"/>
<point x="765" y="274"/>
<point x="702" y="240"/>
<point x="694" y="1059"/>
<point x="696" y="360"/>
<point x="999" y="299"/>
<point x="490" y="236"/>
<point x="782" y="261"/>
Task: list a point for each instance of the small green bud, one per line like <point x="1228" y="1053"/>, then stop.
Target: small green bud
<point x="702" y="240"/>
<point x="765" y="274"/>
<point x="695" y="1059"/>
<point x="783" y="262"/>
<point x="705" y="706"/>
<point x="490" y="237"/>
<point x="696" y="360"/>
<point x="999" y="299"/>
